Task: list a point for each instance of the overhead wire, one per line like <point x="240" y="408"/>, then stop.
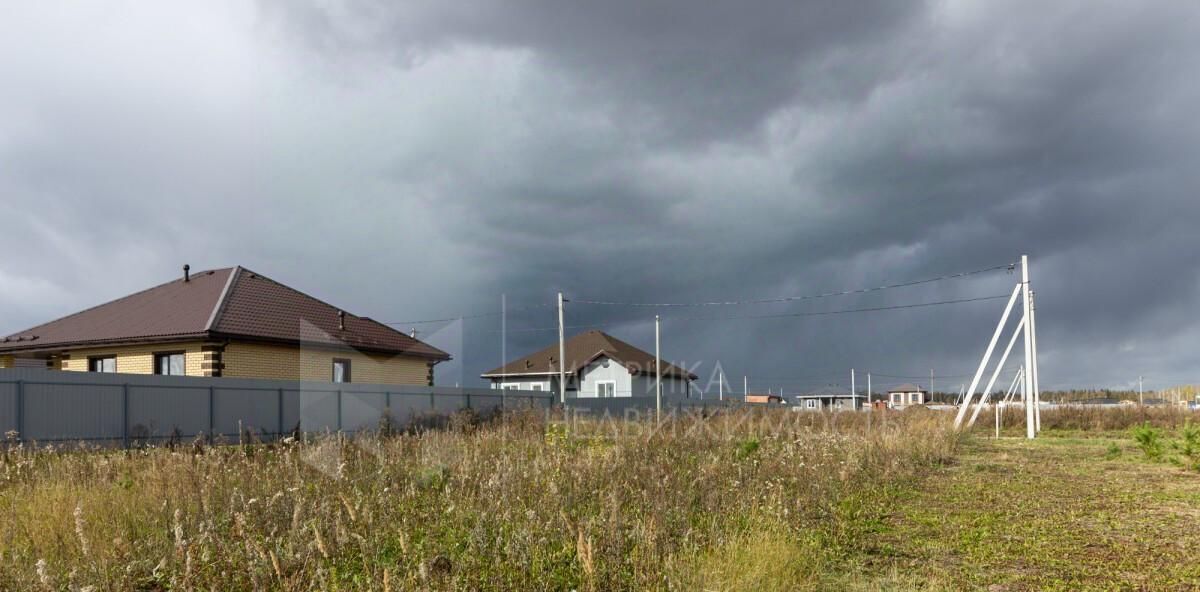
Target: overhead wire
<point x="1007" y="266"/>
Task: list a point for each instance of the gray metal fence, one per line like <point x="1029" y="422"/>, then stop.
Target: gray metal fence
<point x="120" y="409"/>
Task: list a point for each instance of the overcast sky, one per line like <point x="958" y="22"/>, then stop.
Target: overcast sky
<point x="418" y="160"/>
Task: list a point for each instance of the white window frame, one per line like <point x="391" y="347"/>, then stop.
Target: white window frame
<point x="536" y="386"/>
<point x="915" y="399"/>
<point x="810" y="403"/>
<point x="511" y="386"/>
<point x="896" y="398"/>
<point x="613" y="392"/>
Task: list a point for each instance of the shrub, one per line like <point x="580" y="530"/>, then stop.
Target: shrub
<point x="1149" y="439"/>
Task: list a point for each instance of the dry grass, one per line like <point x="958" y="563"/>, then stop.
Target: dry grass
<point x="1092" y="418"/>
<point x="752" y="500"/>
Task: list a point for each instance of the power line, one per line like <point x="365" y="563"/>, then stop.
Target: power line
<point x="769" y="316"/>
<point x="839" y="312"/>
<point x="470" y="316"/>
<point x="1007" y="266"/>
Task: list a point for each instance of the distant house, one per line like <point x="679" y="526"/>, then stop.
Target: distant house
<point x="229" y="322"/>
<point x="763" y="398"/>
<point x="598" y="365"/>
<point x="907" y="394"/>
<point x="829" y="399"/>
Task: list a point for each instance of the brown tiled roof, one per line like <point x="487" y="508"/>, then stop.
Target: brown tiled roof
<point x="906" y="388"/>
<point x="218" y="304"/>
<point x="581" y="350"/>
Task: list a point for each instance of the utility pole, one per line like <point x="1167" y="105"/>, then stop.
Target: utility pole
<point x="1030" y="412"/>
<point x="853" y="390"/>
<point x="931" y="384"/>
<point x="745" y="388"/>
<point x="562" y="354"/>
<point x="1031" y="327"/>
<point x="868" y="389"/>
<point x="1141" y="400"/>
<point x="657" y="369"/>
<point x="721" y="387"/>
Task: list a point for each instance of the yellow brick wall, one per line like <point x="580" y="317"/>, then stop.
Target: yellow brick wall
<point x="251" y="360"/>
<point x="6" y="361"/>
<point x="137" y="359"/>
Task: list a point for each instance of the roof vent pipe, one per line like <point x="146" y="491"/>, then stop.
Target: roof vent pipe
<point x="342" y="320"/>
<point x="187" y="272"/>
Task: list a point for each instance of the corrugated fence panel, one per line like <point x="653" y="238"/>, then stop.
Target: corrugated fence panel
<point x="407" y="406"/>
<point x="291" y="409"/>
<point x="58" y="411"/>
<point x="318" y="411"/>
<point x="114" y="408"/>
<point x="362" y="411"/>
<point x="161" y="410"/>
<point x="447" y="404"/>
<point x="253" y="409"/>
<point x="8" y="408"/>
<point x="488" y="403"/>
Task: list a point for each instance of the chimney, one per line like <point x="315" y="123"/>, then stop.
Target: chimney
<point x="342" y="320"/>
<point x="187" y="272"/>
<point x="413" y="333"/>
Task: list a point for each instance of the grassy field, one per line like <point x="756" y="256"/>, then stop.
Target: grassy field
<point x="1058" y="513"/>
<point x="743" y="501"/>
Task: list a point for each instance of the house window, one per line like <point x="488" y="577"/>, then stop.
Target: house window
<point x="102" y="364"/>
<point x="537" y="386"/>
<point x="810" y="404"/>
<point x="606" y="389"/>
<point x="914" y="398"/>
<point x="512" y="387"/>
<point x="169" y="364"/>
<point x="341" y="370"/>
<point x="897" y="398"/>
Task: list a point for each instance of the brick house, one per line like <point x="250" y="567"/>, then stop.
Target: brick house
<point x="229" y="322"/>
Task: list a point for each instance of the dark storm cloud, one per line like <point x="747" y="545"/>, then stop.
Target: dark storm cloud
<point x="691" y="69"/>
<point x="418" y="160"/>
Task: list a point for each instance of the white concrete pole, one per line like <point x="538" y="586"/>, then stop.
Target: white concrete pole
<point x="1027" y="383"/>
<point x="970" y="392"/>
<point x="868" y="389"/>
<point x="1037" y="389"/>
<point x="1141" y="401"/>
<point x="745" y="387"/>
<point x="852" y="385"/>
<point x="562" y="354"/>
<point x="657" y="369"/>
<point x="987" y="391"/>
<point x="721" y="387"/>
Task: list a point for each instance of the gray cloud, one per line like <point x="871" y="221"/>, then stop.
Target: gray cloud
<point x="417" y="160"/>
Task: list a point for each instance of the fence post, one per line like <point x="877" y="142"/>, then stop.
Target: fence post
<point x="212" y="422"/>
<point x="468" y="397"/>
<point x="125" y="415"/>
<point x="21" y="436"/>
<point x="339" y="410"/>
<point x="279" y="434"/>
<point x="432" y="401"/>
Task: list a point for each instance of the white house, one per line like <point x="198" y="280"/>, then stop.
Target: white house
<point x="907" y="394"/>
<point x="598" y="365"/>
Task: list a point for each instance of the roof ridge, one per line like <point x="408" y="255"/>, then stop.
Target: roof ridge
<point x="257" y="275"/>
<point x="219" y="307"/>
<point x="114" y="300"/>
